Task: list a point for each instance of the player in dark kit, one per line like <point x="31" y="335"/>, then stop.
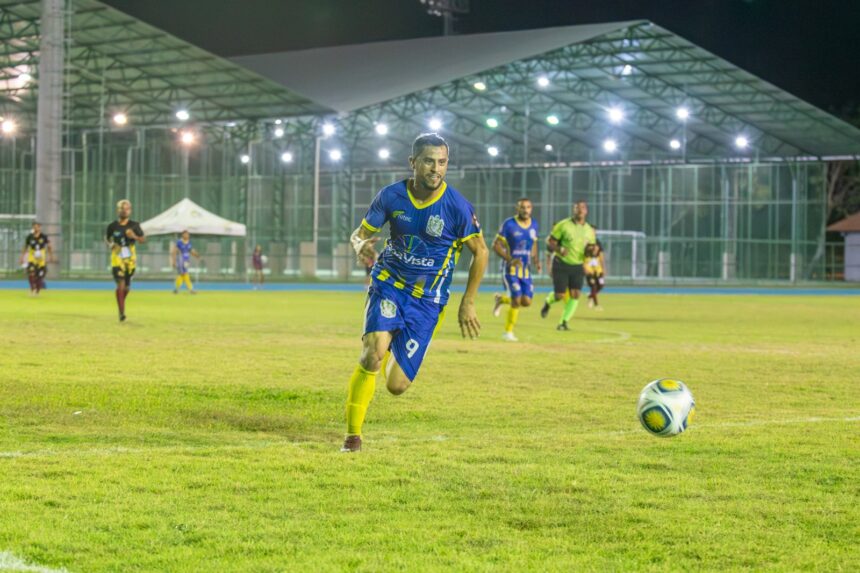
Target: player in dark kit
<point x="37" y="250"/>
<point x="121" y="237"/>
<point x="595" y="266"/>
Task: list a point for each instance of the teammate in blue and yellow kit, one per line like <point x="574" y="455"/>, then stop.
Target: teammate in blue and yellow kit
<point x="517" y="245"/>
<point x="181" y="253"/>
<point x="429" y="222"/>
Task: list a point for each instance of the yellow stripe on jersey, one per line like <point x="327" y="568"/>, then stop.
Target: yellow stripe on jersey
<point x="368" y="226"/>
<point x="444" y="264"/>
<point x="417" y="205"/>
<point x="383" y="275"/>
<point x="418" y="290"/>
<point x="462" y="240"/>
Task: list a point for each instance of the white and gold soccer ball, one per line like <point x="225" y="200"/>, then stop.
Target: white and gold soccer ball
<point x="666" y="407"/>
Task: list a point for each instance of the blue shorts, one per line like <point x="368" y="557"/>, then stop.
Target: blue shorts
<point x="182" y="267"/>
<point x="518" y="286"/>
<point x="411" y="320"/>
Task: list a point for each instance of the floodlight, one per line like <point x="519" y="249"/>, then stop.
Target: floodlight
<point x="335" y="155"/>
<point x="182" y="115"/>
<point x="492" y="122"/>
<point x="384" y="153"/>
<point x="493" y="151"/>
<point x="610" y="145"/>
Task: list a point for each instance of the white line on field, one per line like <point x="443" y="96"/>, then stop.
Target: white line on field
<point x="10" y="562"/>
<point x="618" y="336"/>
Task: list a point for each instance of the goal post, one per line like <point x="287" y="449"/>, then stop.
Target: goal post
<point x="625" y="253"/>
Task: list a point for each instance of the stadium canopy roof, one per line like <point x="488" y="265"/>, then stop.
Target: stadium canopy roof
<point x="118" y="63"/>
<point x="482" y="89"/>
<point x="639" y="68"/>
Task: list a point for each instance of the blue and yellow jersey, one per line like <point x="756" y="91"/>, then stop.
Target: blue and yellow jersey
<point x="425" y="240"/>
<point x="183" y="250"/>
<point x="519" y="240"/>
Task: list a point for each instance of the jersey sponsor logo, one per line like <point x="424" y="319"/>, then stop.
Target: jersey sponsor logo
<point x="401" y="215"/>
<point x="388" y="308"/>
<point x="435" y="225"/>
<point x="411" y="250"/>
<point x="411" y="259"/>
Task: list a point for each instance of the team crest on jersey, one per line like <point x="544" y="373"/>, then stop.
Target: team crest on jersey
<point x="435" y="224"/>
<point x="388" y="308"/>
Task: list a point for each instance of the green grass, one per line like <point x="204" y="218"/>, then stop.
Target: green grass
<point x="202" y="435"/>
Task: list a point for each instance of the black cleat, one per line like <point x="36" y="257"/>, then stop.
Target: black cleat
<point x="562" y="326"/>
<point x="351" y="445"/>
<point x="121" y="317"/>
<point x="544" y="311"/>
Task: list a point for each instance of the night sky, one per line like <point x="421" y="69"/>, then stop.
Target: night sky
<point x="807" y="47"/>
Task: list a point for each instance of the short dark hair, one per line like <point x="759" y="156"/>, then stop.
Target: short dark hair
<point x="521" y="199"/>
<point x="580" y="200"/>
<point x="427" y="140"/>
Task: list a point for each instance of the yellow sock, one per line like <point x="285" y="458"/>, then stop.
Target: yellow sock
<point x="361" y="387"/>
<point x="188" y="281"/>
<point x="505" y="299"/>
<point x="512" y="319"/>
<point x="178" y="282"/>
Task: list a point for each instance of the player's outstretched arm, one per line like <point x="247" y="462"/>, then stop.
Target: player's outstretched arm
<point x="362" y="241"/>
<point x="467" y="316"/>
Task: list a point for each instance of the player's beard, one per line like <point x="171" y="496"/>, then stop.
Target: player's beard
<point x="430" y="184"/>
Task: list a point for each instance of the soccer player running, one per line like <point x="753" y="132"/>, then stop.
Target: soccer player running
<point x="121" y="236"/>
<point x="429" y="222"/>
<point x="595" y="266"/>
<point x="517" y="245"/>
<point x="181" y="253"/>
<point x="37" y="250"/>
<point x="567" y="242"/>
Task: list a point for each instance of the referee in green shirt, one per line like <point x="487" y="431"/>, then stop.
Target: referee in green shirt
<point x="567" y="243"/>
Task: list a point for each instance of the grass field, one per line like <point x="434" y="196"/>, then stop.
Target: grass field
<point x="202" y="435"/>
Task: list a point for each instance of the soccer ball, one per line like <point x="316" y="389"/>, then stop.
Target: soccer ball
<point x="666" y="407"/>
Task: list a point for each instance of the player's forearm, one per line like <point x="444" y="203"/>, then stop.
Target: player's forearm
<point x="480" y="258"/>
<point x="501" y="251"/>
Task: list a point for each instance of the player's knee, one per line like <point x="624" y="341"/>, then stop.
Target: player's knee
<point x="575" y="294"/>
<point x="397" y="383"/>
<point x="515" y="302"/>
<point x="559" y="295"/>
<point x="525" y="301"/>
<point x="371" y="354"/>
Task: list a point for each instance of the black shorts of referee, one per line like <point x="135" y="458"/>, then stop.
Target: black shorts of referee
<point x="566" y="277"/>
